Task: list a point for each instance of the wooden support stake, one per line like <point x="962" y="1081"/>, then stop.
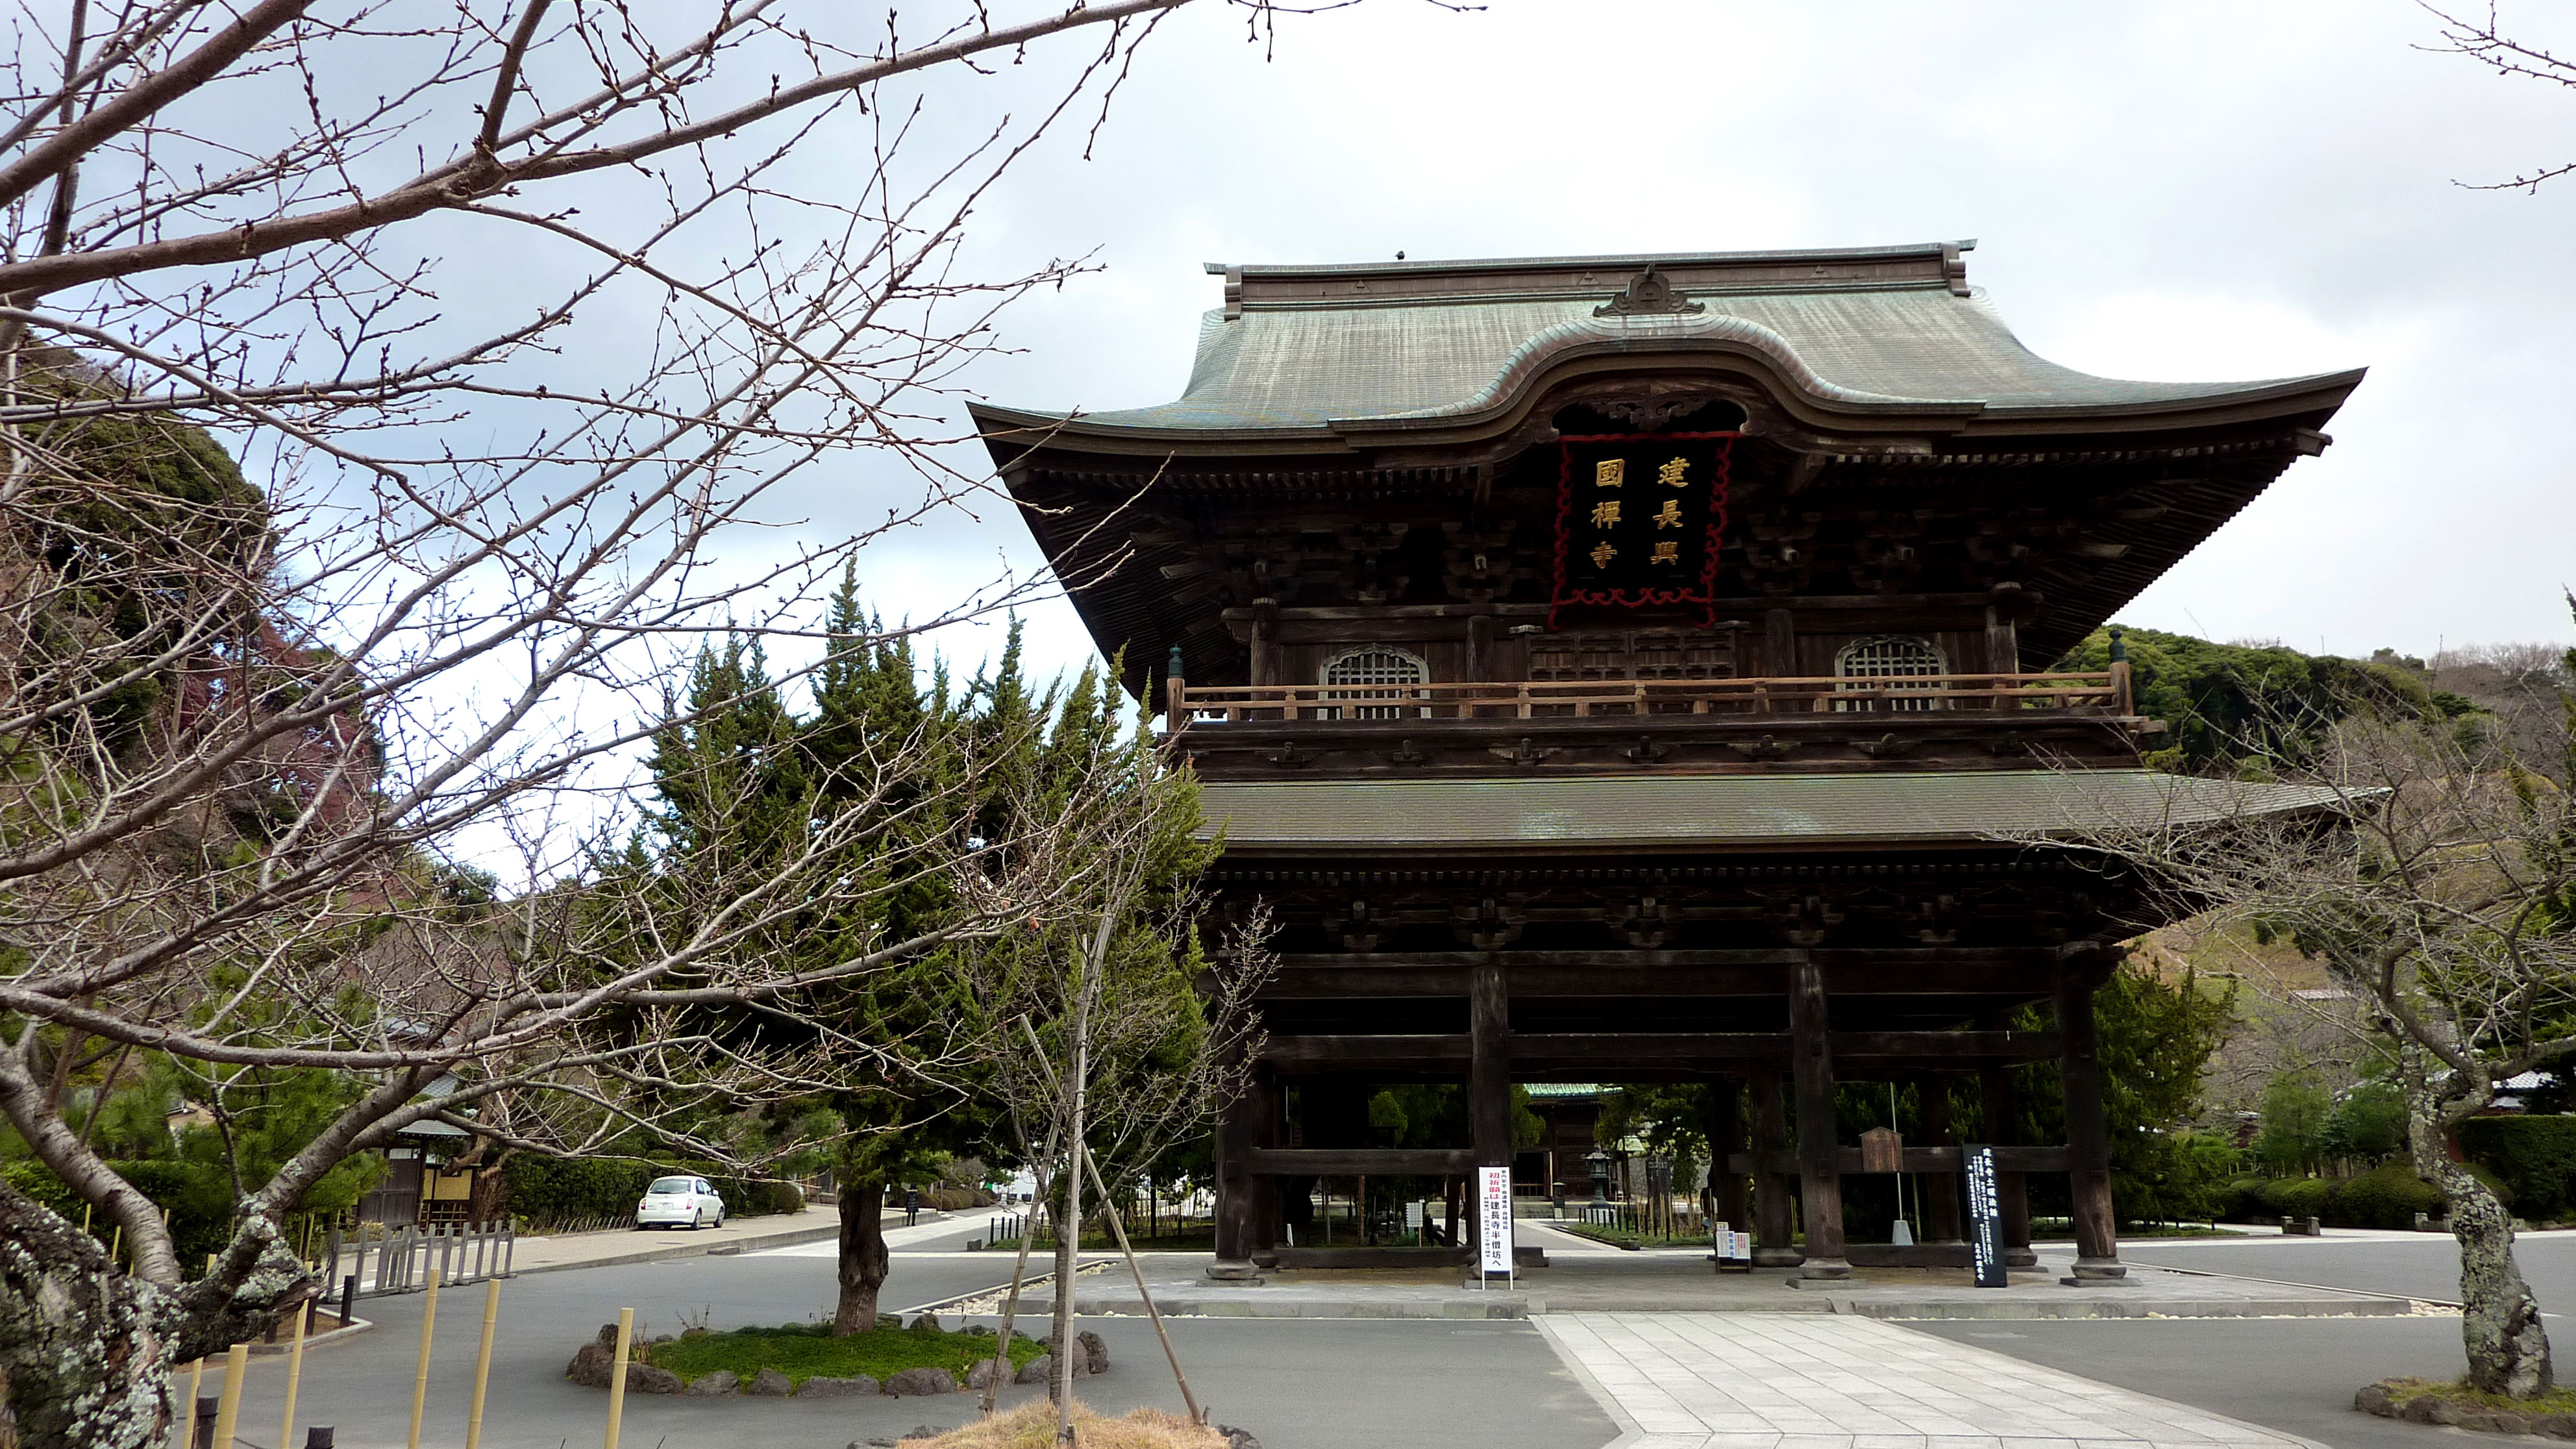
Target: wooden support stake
<point x="483" y="1364"/>
<point x="420" y="1376"/>
<point x="188" y="1420"/>
<point x="228" y="1412"/>
<point x="294" y="1370"/>
<point x="617" y="1374"/>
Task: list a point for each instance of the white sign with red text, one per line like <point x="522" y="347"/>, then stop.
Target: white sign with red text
<point x="1494" y="1218"/>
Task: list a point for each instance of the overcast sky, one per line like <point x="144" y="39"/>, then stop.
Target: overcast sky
<point x="2193" y="191"/>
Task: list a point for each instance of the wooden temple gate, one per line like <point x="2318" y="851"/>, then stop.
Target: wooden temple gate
<point x="1649" y="669"/>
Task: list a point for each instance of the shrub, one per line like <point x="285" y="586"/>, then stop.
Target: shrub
<point x="2296" y="1197"/>
<point x="2534" y="1156"/>
<point x="2387" y="1196"/>
<point x="551" y="1190"/>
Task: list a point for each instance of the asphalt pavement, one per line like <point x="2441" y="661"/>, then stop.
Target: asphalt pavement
<point x="2292" y="1374"/>
<point x="1296" y="1384"/>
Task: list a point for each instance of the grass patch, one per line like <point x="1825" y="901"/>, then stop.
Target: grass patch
<point x="1032" y="1426"/>
<point x="2457" y="1391"/>
<point x="803" y="1350"/>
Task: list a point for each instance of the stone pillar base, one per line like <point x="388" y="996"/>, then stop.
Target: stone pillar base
<point x="1827" y="1268"/>
<point x="1777" y="1257"/>
<point x="2020" y="1258"/>
<point x="2099" y="1273"/>
<point x="1233" y="1270"/>
<point x="1267" y="1258"/>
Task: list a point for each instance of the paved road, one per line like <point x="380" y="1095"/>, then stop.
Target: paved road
<point x="2284" y="1373"/>
<point x="1299" y="1385"/>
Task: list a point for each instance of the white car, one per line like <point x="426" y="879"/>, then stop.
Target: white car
<point x="680" y="1202"/>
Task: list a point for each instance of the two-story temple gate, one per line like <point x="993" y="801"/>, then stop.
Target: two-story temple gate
<point x="1622" y="669"/>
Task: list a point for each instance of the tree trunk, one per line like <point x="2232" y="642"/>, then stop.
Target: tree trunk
<point x="863" y="1256"/>
<point x="87" y="1349"/>
<point x="2500" y="1326"/>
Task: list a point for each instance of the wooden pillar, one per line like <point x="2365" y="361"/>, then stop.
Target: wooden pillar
<point x="2088" y="1144"/>
<point x="1489" y="1081"/>
<point x="1780" y="644"/>
<point x="1725" y="1129"/>
<point x="1940" y="1190"/>
<point x="1820" y="1182"/>
<point x="2003" y="647"/>
<point x="1772" y="1247"/>
<point x="2012" y="1189"/>
<point x="1269" y="1210"/>
<point x="1480" y="649"/>
<point x="1237" y="1215"/>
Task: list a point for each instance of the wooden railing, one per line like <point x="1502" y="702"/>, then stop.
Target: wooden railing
<point x="2103" y="691"/>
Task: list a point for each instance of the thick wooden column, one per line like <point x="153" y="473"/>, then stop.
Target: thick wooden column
<point x="2088" y="1143"/>
<point x="1820" y="1183"/>
<point x="1940" y="1190"/>
<point x="1772" y="1247"/>
<point x="1489" y="1079"/>
<point x="1269" y="1205"/>
<point x="2012" y="1189"/>
<point x="1237" y="1213"/>
<point x="1725" y="1130"/>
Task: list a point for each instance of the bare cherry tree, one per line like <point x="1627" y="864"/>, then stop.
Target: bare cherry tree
<point x="317" y="581"/>
<point x="2437" y="884"/>
<point x="2482" y="37"/>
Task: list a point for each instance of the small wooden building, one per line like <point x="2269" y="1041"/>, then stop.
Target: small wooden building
<point x="1637" y="668"/>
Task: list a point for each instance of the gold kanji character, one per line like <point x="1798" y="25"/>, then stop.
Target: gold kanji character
<point x="1669" y="551"/>
<point x="1670" y="475"/>
<point x="1605" y="513"/>
<point x="1602" y="553"/>
<point x="1609" y="472"/>
<point x="1671" y="517"/>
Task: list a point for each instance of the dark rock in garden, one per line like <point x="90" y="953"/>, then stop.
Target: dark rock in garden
<point x="2472" y="1419"/>
<point x="2556" y="1426"/>
<point x="643" y="1378"/>
<point x="923" y="1431"/>
<point x="1036" y="1370"/>
<point x="2505" y="1421"/>
<point x="589" y="1368"/>
<point x="2430" y="1410"/>
<point x="984" y="1329"/>
<point x="1095" y="1352"/>
<point x="608" y="1335"/>
<point x="1238" y="1438"/>
<point x="825" y="1386"/>
<point x="981" y="1375"/>
<point x="920" y="1381"/>
<point x="770" y="1383"/>
<point x="717" y="1381"/>
<point x="2375" y="1399"/>
<point x="926" y="1323"/>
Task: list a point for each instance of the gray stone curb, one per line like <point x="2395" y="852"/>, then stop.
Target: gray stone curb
<point x="787" y="1239"/>
<point x="2132" y="1308"/>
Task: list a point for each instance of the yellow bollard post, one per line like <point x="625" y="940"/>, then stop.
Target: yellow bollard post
<point x="228" y="1408"/>
<point x="617" y="1374"/>
<point x="188" y="1411"/>
<point x="420" y="1378"/>
<point x="483" y="1364"/>
<point x="294" y="1373"/>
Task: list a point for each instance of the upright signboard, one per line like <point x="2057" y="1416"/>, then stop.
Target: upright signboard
<point x="1985" y="1218"/>
<point x="1494" y="1220"/>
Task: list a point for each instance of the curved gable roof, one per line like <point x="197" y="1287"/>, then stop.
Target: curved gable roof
<point x="1880" y="330"/>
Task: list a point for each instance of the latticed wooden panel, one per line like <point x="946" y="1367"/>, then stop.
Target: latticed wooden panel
<point x="1632" y="654"/>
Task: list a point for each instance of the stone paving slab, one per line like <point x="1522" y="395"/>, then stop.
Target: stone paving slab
<point x="1681" y="1282"/>
<point x="1763" y="1381"/>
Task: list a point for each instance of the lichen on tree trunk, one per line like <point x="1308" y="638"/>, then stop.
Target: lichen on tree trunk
<point x="863" y="1261"/>
<point x="86" y="1348"/>
<point x="2500" y="1325"/>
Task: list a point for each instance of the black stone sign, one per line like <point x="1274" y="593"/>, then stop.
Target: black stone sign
<point x="1985" y="1218"/>
<point x="1639" y="518"/>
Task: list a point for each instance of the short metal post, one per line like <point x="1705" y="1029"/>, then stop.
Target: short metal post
<point x="348" y="1299"/>
<point x="319" y="1437"/>
<point x="201" y="1432"/>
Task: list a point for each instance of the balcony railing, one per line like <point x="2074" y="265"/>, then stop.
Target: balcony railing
<point x="2105" y="692"/>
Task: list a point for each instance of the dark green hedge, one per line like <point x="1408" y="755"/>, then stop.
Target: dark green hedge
<point x="198" y="1198"/>
<point x="2387" y="1196"/>
<point x="2536" y="1157"/>
<point x="547" y="1190"/>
